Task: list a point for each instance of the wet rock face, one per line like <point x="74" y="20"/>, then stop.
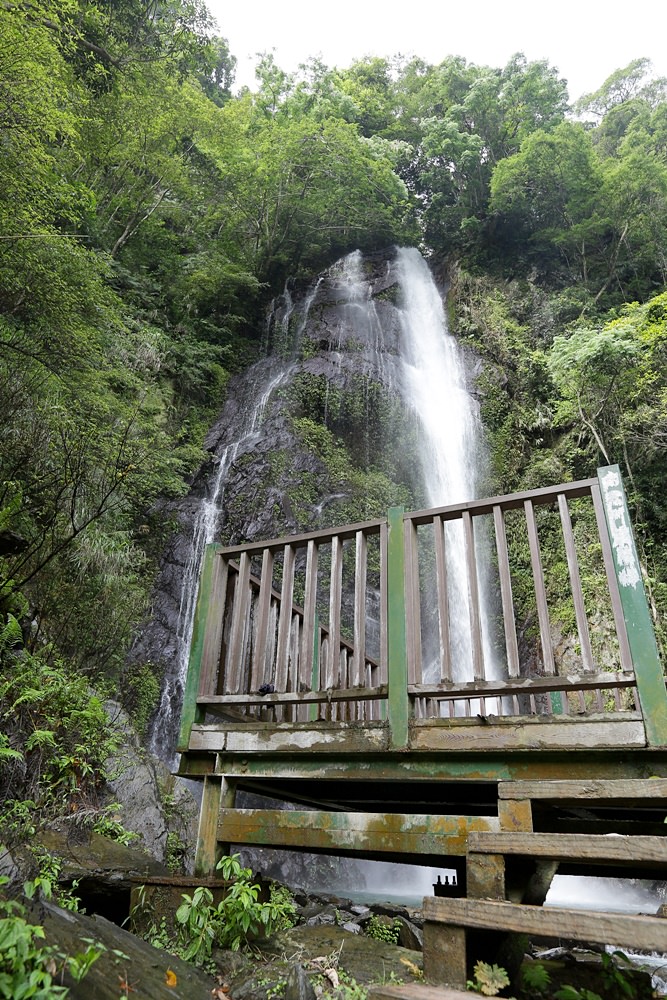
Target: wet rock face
<point x="296" y="429"/>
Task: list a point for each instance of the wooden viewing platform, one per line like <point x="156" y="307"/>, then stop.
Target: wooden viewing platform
<point x="326" y="672"/>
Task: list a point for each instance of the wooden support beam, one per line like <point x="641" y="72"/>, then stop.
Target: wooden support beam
<point x="445" y="954"/>
<point x="485" y="875"/>
<point x="629" y="930"/>
<point x="515" y="814"/>
<point x="352" y="831"/>
<point x="218" y="793"/>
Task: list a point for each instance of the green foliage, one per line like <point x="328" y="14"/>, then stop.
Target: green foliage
<point x="29" y="968"/>
<point x="381" y="930"/>
<point x="239" y="917"/>
<point x="535" y="978"/>
<point x="57" y="740"/>
<point x="489" y="979"/>
<point x="108" y="824"/>
<point x="572" y="993"/>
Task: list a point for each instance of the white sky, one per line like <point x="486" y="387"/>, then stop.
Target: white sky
<point x="585" y="39"/>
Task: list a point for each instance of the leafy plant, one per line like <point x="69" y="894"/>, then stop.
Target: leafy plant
<point x="29" y="967"/>
<point x="572" y="993"/>
<point x="489" y="979"/>
<point x="381" y="930"/>
<point x="535" y="977"/>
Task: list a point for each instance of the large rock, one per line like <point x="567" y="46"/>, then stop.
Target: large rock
<point x="148" y="972"/>
<point x="154" y="803"/>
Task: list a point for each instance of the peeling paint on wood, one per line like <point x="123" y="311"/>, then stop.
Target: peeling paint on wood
<point x="385" y="832"/>
<point x="530" y="734"/>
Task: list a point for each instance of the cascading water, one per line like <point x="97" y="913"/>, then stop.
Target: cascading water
<point x="204" y="529"/>
<point x="434" y="385"/>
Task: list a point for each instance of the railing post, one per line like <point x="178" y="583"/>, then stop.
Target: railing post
<point x="209" y="609"/>
<point x="397" y="658"/>
<point x="641" y="635"/>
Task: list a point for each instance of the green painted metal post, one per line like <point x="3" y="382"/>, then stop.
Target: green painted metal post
<point x="641" y="636"/>
<point x="397" y="656"/>
<point x="191" y="713"/>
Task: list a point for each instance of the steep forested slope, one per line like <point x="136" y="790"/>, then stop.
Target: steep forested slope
<point x="147" y="218"/>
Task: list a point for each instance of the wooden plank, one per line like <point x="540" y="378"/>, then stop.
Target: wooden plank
<point x="624" y="929"/>
<point x="360" y="579"/>
<point x="509" y="685"/>
<point x="543" y="495"/>
<point x="445" y="960"/>
<point x="485" y="874"/>
<point x="296" y="697"/>
<point x="416" y="991"/>
<point x="412" y="603"/>
<point x="515" y="814"/>
<point x="321" y="537"/>
<point x="384" y="604"/>
<point x="189" y="711"/>
<point x="505" y="577"/>
<point x="214" y="615"/>
<point x="612" y="582"/>
<point x="572" y="847"/>
<point x="262" y="609"/>
<point x="309" y="608"/>
<point x="285" y="619"/>
<point x="335" y="590"/>
<point x="540" y="591"/>
<point x="355" y="831"/>
<point x="615" y="788"/>
<point x="344" y="737"/>
<point x="398" y="706"/>
<point x="640" y="632"/>
<point x="443" y="599"/>
<point x="575" y="584"/>
<point x="525" y="733"/>
<point x="237" y="639"/>
<point x="207" y="853"/>
<point x="473" y="597"/>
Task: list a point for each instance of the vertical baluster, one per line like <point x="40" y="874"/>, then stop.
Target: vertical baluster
<point x="309" y="611"/>
<point x="293" y="663"/>
<point x="443" y="600"/>
<point x="237" y="641"/>
<point x="360" y="578"/>
<point x="540" y="591"/>
<point x="285" y="620"/>
<point x="262" y="607"/>
<point x="335" y="591"/>
<point x="575" y="584"/>
<point x="505" y="576"/>
<point x="213" y="635"/>
<point x="412" y="604"/>
<point x="473" y="594"/>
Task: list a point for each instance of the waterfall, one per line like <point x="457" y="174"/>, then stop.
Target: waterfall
<point x="204" y="530"/>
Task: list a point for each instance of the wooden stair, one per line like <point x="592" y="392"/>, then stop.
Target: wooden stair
<point x="491" y="855"/>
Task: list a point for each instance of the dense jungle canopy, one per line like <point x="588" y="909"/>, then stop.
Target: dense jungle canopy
<point x="148" y="215"/>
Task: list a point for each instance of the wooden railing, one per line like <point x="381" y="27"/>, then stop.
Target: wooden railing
<point x="523" y="605"/>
